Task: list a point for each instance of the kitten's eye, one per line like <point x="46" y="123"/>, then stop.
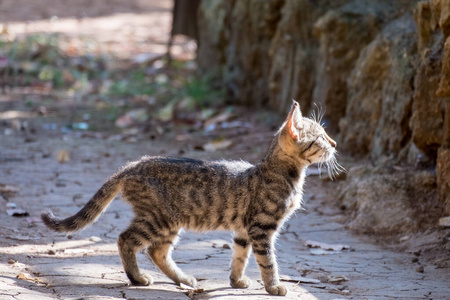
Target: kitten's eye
<point x="310" y="145"/>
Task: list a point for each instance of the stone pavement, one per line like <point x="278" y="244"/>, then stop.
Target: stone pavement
<point x="38" y="264"/>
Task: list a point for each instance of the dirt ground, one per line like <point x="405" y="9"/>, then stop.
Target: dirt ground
<point x="124" y="28"/>
<point x="45" y="165"/>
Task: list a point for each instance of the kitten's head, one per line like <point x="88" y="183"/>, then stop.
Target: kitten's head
<point x="306" y="140"/>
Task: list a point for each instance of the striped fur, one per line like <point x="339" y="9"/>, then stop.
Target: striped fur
<point x="168" y="194"/>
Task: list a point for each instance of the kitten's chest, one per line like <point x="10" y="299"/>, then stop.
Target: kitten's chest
<point x="295" y="199"/>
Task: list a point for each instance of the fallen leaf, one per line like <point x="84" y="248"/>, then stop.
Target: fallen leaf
<point x="199" y="148"/>
<point x="63" y="156"/>
<point x="14" y="115"/>
<point x="185" y="287"/>
<point x="206" y="113"/>
<point x="25" y="276"/>
<point x="132" y="117"/>
<point x="146" y="58"/>
<point x="95" y="239"/>
<point x="404" y="238"/>
<point x="8" y="189"/>
<point x="17" y="212"/>
<point x="330" y="247"/>
<point x="187" y="103"/>
<point x="123" y="121"/>
<point x="444" y="222"/>
<point x="161" y="78"/>
<point x="78" y="251"/>
<point x="320" y="286"/>
<point x="217" y="145"/>
<point x="211" y="123"/>
<point x="318" y="251"/>
<point x="337" y="279"/>
<point x="18" y="265"/>
<point x="191" y="292"/>
<point x="29" y="277"/>
<point x="299" y="279"/>
<point x="23" y="238"/>
<point x="166" y="113"/>
<point x="138" y="114"/>
<point x="5" y="30"/>
<point x="336" y="291"/>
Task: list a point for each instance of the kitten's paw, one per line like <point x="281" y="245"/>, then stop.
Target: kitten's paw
<point x="188" y="280"/>
<point x="241" y="283"/>
<point x="143" y="280"/>
<point x="279" y="290"/>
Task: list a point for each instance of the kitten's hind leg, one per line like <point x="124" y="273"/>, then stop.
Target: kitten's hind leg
<point x="129" y="243"/>
<point x="241" y="251"/>
<point x="161" y="255"/>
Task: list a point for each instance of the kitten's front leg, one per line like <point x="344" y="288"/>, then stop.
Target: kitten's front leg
<point x="241" y="251"/>
<point x="264" y="251"/>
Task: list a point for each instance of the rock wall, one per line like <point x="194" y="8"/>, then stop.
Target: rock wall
<point x="234" y="42"/>
<point x="430" y="121"/>
<point x="380" y="69"/>
<point x="388" y="204"/>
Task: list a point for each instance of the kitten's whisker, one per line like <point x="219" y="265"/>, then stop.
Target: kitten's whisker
<point x="313" y="116"/>
<point x="321" y="113"/>
<point x="322" y="160"/>
<point x="318" y="113"/>
<point x="338" y="167"/>
<point x="330" y="174"/>
<point x="333" y="168"/>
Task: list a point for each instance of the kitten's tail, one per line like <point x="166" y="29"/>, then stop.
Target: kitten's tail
<point x="89" y="213"/>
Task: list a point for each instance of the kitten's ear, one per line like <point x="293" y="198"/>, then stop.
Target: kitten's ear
<point x="293" y="119"/>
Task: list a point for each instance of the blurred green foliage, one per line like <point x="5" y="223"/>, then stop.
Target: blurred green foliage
<point x="201" y="90"/>
<point x="47" y="61"/>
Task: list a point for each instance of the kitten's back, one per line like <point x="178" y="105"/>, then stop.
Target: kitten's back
<point x="189" y="193"/>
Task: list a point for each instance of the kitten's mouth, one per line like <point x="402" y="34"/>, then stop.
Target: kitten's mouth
<point x="328" y="160"/>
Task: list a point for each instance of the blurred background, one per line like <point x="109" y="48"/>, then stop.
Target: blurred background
<point x="134" y="71"/>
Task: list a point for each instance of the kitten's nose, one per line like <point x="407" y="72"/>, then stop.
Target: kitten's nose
<point x="331" y="141"/>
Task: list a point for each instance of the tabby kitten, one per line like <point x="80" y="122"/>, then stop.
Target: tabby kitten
<point x="167" y="194"/>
